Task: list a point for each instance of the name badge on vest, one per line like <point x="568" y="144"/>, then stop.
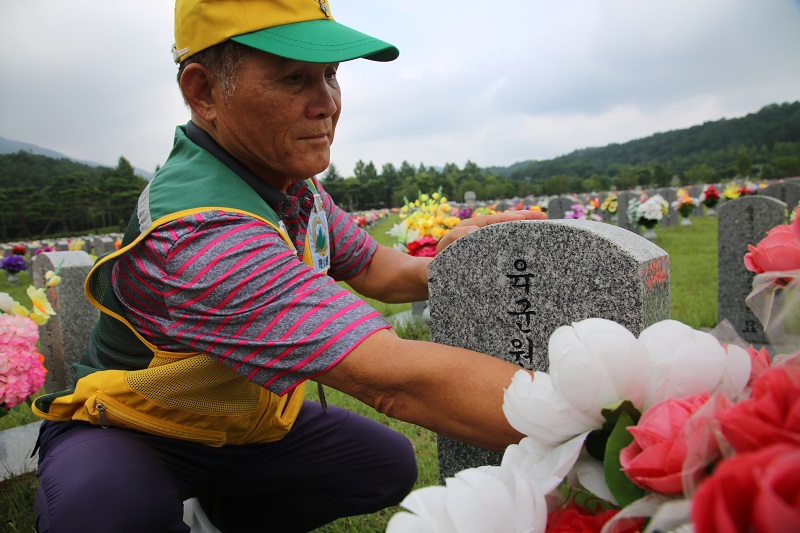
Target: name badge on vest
<point x="318" y="236"/>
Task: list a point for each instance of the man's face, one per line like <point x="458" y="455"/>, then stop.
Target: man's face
<point x="280" y="119"/>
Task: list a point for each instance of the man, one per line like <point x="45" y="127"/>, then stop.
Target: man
<point x="221" y="303"/>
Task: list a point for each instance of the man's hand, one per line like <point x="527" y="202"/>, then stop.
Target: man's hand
<point x="471" y="224"/>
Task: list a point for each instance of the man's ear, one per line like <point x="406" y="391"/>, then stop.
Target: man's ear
<point x="197" y="84"/>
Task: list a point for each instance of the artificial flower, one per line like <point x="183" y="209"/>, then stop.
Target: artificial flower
<point x="610" y="204"/>
<point x="770" y="415"/>
<point x="597" y="362"/>
<point x="573" y="519"/>
<point x="13" y="264"/>
<point x="7" y="303"/>
<point x="21" y="369"/>
<point x="422" y="247"/>
<point x="710" y="196"/>
<point x="686" y="362"/>
<point x="535" y="407"/>
<point x="752" y="491"/>
<point x="778" y="251"/>
<point x="476" y="500"/>
<point x="655" y="459"/>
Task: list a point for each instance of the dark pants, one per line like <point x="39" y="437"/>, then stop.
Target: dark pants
<point x="330" y="465"/>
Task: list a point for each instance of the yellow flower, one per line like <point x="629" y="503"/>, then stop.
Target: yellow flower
<point x="51" y="279"/>
<point x="404" y="209"/>
<point x="422" y="198"/>
<point x="435" y="196"/>
<point x="452" y="222"/>
<point x="438" y="232"/>
<point x="445" y="208"/>
<point x="42" y="310"/>
<point x="443" y="201"/>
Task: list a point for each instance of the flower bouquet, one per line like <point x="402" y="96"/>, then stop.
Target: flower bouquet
<point x="710" y="197"/>
<point x="18" y="249"/>
<point x="22" y="370"/>
<point x="685" y="205"/>
<point x="582" y="212"/>
<point x="610" y="204"/>
<point x="13" y="264"/>
<point x="672" y="430"/>
<point x="423" y="223"/>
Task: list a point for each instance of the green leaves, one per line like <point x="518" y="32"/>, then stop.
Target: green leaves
<point x="621" y="487"/>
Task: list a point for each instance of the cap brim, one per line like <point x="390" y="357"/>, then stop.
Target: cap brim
<point x="318" y="41"/>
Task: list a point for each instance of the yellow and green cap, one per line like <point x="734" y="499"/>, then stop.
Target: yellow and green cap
<point x="303" y="30"/>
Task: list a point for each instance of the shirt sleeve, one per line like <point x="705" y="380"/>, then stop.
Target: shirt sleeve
<point x="352" y="248"/>
<point x="229" y="286"/>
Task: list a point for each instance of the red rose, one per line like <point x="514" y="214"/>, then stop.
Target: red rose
<point x="753" y="491"/>
<point x="655" y="458"/>
<point x="779" y="251"/>
<point x="771" y="414"/>
<point x="422" y="247"/>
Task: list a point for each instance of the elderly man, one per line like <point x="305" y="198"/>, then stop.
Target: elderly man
<point x="221" y="304"/>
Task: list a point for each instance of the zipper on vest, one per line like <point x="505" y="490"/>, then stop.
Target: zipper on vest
<point x="101" y="410"/>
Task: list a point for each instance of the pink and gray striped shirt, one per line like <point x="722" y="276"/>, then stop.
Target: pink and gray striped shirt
<point x="228" y="285"/>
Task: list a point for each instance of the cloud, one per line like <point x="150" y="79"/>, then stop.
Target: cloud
<point x="493" y="84"/>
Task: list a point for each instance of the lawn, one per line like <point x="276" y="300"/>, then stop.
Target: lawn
<point x="693" y="277"/>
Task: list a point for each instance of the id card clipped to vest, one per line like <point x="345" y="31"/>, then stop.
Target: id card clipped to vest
<point x="317" y="234"/>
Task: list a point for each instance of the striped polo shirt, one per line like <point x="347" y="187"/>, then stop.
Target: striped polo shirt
<point x="228" y="285"/>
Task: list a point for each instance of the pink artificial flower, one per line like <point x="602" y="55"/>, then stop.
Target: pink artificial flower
<point x="655" y="459"/>
<point x="422" y="247"/>
<point x="753" y="491"/>
<point x="779" y="251"/>
<point x="771" y="414"/>
<point x="21" y="370"/>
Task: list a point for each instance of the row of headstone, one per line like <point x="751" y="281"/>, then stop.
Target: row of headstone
<point x="97" y="245"/>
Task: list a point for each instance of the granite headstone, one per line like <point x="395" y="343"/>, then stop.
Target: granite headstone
<point x="785" y="191"/>
<point x="741" y="222"/>
<point x="62" y="339"/>
<point x="522" y="280"/>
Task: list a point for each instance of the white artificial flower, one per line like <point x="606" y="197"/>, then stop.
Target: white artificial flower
<point x="535" y="408"/>
<point x="6" y="302"/>
<point x="686" y="362"/>
<point x="475" y="500"/>
<point x="595" y="363"/>
<point x="544" y="465"/>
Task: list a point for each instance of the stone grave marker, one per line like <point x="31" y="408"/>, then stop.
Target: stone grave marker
<point x="787" y="191"/>
<point x="469" y="197"/>
<point x="623" y="198"/>
<point x="521" y="280"/>
<point x="558" y="206"/>
<point x="62" y="339"/>
<point x="743" y="221"/>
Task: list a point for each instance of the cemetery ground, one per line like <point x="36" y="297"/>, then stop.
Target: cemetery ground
<point x="693" y="282"/>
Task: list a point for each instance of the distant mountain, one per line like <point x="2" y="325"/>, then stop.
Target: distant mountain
<point x="7" y="146"/>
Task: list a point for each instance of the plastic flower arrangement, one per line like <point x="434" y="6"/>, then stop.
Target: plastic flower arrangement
<point x="13" y="264"/>
<point x="685" y="204"/>
<point x="22" y="371"/>
<point x="582" y="212"/>
<point x="710" y="196"/>
<point x="650" y="211"/>
<point x="18" y="249"/>
<point x="610" y="204"/>
<point x="423" y="223"/>
<point x="76" y="244"/>
<point x="672" y="430"/>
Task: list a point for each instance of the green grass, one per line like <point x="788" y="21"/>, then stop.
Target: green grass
<point x="693" y="277"/>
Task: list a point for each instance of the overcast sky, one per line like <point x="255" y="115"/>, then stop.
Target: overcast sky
<point x="490" y="82"/>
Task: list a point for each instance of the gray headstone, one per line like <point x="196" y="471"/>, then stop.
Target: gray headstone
<point x="623" y="199"/>
<point x="62" y="245"/>
<point x="695" y="191"/>
<point x="743" y="221"/>
<point x="788" y="192"/>
<point x="103" y="245"/>
<point x="63" y="338"/>
<point x="558" y="206"/>
<point x="523" y="279"/>
<point x="469" y="197"/>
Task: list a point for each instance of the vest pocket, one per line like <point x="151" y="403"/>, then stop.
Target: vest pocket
<point x="109" y="412"/>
